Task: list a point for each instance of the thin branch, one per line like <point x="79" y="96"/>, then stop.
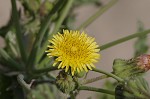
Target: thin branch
<point x="97" y="14"/>
<point x="129" y="37"/>
<point x="94" y="79"/>
<point x="88" y="88"/>
<point x="108" y="74"/>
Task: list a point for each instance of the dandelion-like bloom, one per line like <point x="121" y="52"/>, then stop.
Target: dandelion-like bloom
<point x="73" y="50"/>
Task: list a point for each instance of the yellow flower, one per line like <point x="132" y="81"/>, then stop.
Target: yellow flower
<point x="73" y="50"/>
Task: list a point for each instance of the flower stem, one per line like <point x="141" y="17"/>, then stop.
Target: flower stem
<point x="105" y="46"/>
<point x="94" y="79"/>
<point x="108" y="74"/>
<point x="63" y="14"/>
<point x="72" y="96"/>
<point x="97" y="14"/>
<point x="19" y="35"/>
<point x="88" y="88"/>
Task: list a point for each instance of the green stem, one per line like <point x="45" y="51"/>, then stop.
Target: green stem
<point x="12" y="63"/>
<point x="19" y="35"/>
<point x="48" y="69"/>
<point x="108" y="74"/>
<point x="97" y="14"/>
<point x="72" y="96"/>
<point x="63" y="14"/>
<point x="96" y="90"/>
<point x="21" y="81"/>
<point x="105" y="46"/>
<point x="94" y="79"/>
<point x="37" y="43"/>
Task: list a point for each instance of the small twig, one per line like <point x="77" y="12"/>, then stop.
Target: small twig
<point x="88" y="88"/>
<point x="129" y="37"/>
<point x="97" y="14"/>
<point x="108" y="74"/>
<point x="94" y="79"/>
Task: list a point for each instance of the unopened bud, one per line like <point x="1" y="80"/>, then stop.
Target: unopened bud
<point x="65" y="82"/>
<point x="133" y="67"/>
<point x="143" y="62"/>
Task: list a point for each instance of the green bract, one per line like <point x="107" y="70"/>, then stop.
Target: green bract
<point x="65" y="82"/>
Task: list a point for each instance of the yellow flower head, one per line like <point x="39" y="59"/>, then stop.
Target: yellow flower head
<point x="74" y="50"/>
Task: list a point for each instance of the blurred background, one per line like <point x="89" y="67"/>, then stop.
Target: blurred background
<point x="119" y="21"/>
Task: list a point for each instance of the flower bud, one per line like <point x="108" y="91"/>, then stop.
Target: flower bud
<point x="143" y="62"/>
<point x="65" y="82"/>
<point x="132" y="67"/>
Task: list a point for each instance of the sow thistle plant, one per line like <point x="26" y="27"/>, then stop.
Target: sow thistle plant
<point x="45" y="41"/>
